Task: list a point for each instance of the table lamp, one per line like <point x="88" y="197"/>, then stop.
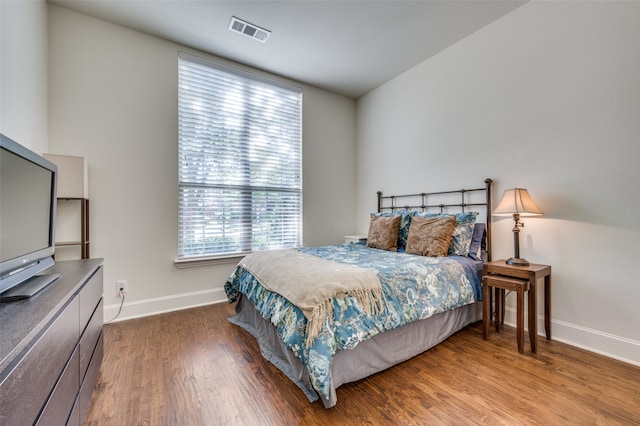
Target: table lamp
<point x="517" y="202"/>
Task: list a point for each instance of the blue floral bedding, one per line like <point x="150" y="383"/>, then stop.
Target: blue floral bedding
<point x="415" y="287"/>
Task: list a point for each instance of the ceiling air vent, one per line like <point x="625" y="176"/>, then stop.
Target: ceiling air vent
<point x="250" y="30"/>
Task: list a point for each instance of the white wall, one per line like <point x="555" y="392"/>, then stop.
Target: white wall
<point x="23" y="73"/>
<point x="546" y="98"/>
<point x="113" y="100"/>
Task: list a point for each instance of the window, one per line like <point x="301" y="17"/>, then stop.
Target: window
<point x="240" y="161"/>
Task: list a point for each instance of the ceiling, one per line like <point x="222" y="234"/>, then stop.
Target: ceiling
<point x="346" y="47"/>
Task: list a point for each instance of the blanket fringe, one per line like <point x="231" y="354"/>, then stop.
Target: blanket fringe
<point x="371" y="300"/>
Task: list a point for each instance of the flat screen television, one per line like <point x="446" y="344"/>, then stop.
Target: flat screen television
<point x="27" y="220"/>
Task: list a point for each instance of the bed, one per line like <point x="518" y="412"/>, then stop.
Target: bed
<point x="335" y="314"/>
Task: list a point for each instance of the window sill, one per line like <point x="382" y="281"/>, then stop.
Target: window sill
<point x="195" y="262"/>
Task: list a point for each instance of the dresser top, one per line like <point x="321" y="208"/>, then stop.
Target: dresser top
<point x="23" y="321"/>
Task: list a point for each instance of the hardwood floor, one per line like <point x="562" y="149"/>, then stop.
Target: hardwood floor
<point x="193" y="367"/>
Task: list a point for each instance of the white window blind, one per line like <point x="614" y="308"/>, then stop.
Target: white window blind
<point x="240" y="161"/>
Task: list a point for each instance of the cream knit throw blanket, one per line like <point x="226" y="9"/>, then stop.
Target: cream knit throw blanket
<point x="311" y="283"/>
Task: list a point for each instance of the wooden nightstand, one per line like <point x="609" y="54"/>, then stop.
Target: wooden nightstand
<point x="532" y="273"/>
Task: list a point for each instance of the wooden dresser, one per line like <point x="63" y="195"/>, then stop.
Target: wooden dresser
<point x="51" y="348"/>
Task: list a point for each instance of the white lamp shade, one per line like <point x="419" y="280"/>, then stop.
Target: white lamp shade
<point x="73" y="174"/>
<point x="516" y="200"/>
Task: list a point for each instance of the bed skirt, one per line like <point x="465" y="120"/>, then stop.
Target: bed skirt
<point x="368" y="357"/>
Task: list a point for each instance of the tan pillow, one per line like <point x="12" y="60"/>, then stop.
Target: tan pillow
<point x="383" y="232"/>
<point x="430" y="236"/>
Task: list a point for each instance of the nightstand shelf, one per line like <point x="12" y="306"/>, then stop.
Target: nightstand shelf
<point x="502" y="276"/>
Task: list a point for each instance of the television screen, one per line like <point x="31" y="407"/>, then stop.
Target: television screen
<point x="24" y="207"/>
<point x="27" y="216"/>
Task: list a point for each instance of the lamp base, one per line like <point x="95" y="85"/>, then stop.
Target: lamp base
<point x="517" y="261"/>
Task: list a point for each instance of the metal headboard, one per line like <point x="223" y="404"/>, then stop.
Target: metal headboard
<point x="448" y="199"/>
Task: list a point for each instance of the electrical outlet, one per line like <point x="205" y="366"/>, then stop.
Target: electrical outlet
<point x="121" y="285"/>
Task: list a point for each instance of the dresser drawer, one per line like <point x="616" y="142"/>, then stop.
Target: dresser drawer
<point x="90" y="338"/>
<point x="63" y="397"/>
<point x="35" y="375"/>
<point x="89" y="296"/>
<point x="90" y="380"/>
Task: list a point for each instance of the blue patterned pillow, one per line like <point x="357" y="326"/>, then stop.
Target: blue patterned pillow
<point x="478" y="242"/>
<point x="462" y="233"/>
<point x="405" y="222"/>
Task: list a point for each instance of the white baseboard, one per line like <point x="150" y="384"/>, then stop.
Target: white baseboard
<point x="159" y="305"/>
<point x="610" y="345"/>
